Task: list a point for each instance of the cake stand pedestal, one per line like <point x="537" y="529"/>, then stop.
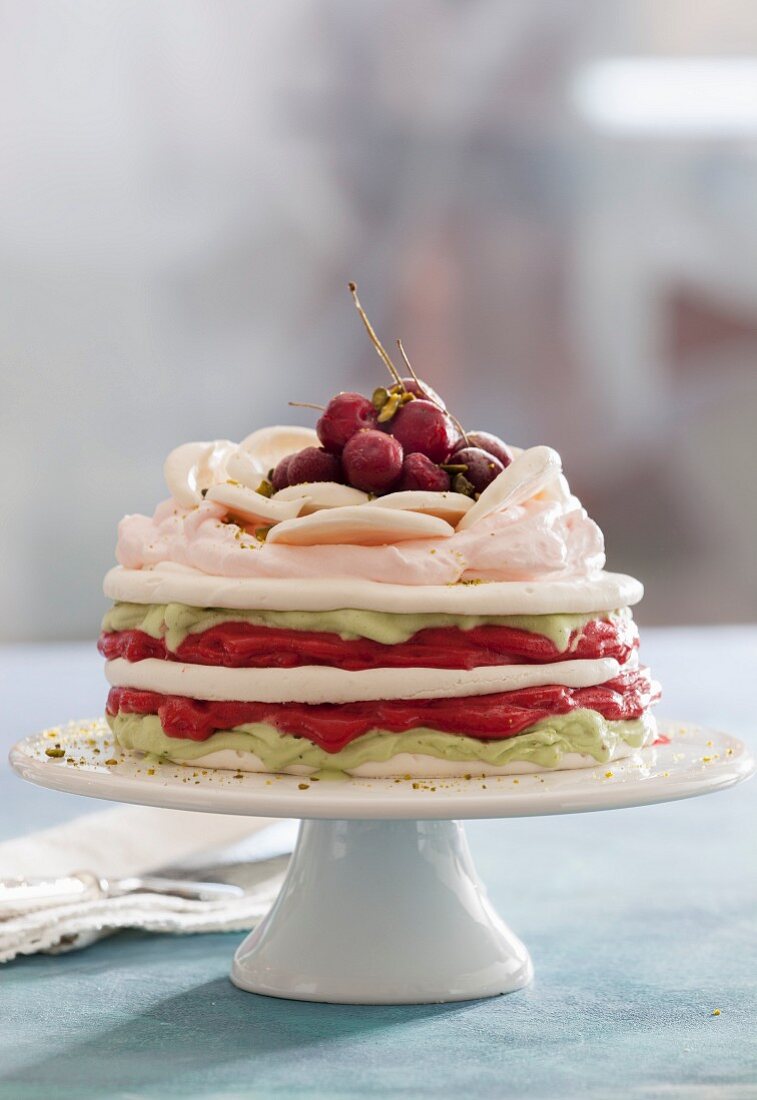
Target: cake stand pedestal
<point x="389" y="912"/>
<point x="381" y="903"/>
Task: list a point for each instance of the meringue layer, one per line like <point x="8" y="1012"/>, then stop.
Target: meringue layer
<point x="171" y="583"/>
<point x="319" y="684"/>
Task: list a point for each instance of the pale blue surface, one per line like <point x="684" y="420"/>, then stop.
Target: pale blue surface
<point x="640" y="922"/>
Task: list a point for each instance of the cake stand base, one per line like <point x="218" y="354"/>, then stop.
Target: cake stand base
<point x="382" y="912"/>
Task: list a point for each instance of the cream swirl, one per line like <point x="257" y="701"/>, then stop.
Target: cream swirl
<point x="547" y="537"/>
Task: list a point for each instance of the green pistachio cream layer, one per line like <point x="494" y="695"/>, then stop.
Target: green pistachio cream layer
<point x="174" y="621"/>
<point x="545" y="744"/>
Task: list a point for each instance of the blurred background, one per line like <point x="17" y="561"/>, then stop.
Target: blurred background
<point x="553" y="202"/>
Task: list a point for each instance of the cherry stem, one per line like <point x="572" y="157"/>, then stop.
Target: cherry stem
<point x="306" y="405"/>
<point x="409" y="366"/>
<point x="421" y="387"/>
<point x="380" y="349"/>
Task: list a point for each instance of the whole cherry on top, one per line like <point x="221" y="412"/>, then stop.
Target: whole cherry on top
<point x="402" y="437"/>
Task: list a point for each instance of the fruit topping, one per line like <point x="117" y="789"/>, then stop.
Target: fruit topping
<point x="479" y="468"/>
<point x="372" y="461"/>
<point x="419" y="472"/>
<point x="419" y="388"/>
<point x="400" y="444"/>
<point x="402" y="437"/>
<point x="344" y="415"/>
<point x="492" y="444"/>
<point x="421" y="426"/>
<point x="313" y="464"/>
<point x="280" y="474"/>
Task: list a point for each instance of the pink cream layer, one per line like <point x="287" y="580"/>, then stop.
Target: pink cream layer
<point x="540" y="540"/>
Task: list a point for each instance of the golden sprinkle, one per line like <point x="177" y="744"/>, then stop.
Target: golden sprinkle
<point x="55" y="753"/>
<point x="715" y="1012"/>
<point x="609" y="775"/>
<point x="303" y="786"/>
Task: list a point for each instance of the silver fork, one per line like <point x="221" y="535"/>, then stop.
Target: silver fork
<point x="20" y="895"/>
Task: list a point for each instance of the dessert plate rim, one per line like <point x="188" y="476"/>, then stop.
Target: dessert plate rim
<point x="697" y="760"/>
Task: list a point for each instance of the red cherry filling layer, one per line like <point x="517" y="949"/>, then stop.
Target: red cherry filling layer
<point x="334" y="725"/>
<point x="242" y="645"/>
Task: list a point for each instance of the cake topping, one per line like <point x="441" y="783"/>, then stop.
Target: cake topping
<point x="313" y="464"/>
<point x="408" y="413"/>
<point x="476" y="467"/>
<point x="392" y="479"/>
<point x="372" y="461"/>
<point x="419" y="472"/>
<point x="345" y="414"/>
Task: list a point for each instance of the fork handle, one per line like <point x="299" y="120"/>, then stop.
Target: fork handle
<point x="21" y="895"/>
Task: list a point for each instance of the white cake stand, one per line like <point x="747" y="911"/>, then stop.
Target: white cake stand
<point x="381" y="903"/>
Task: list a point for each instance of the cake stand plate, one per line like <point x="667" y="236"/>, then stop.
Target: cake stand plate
<point x="381" y="903"/>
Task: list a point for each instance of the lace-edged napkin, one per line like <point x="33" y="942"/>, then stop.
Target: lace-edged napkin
<point x="248" y="852"/>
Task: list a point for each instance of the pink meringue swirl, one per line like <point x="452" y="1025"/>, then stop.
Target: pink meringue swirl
<point x="543" y="539"/>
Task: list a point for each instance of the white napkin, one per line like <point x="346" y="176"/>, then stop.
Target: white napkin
<point x="135" y="840"/>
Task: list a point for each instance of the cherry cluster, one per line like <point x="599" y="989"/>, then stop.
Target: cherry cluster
<point x="401" y="438"/>
<point x="381" y="445"/>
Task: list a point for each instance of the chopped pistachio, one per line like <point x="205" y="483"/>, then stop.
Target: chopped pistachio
<point x="390" y="408"/>
<point x="461" y="484"/>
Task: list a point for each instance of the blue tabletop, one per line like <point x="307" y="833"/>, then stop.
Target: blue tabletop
<point x="640" y="923"/>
